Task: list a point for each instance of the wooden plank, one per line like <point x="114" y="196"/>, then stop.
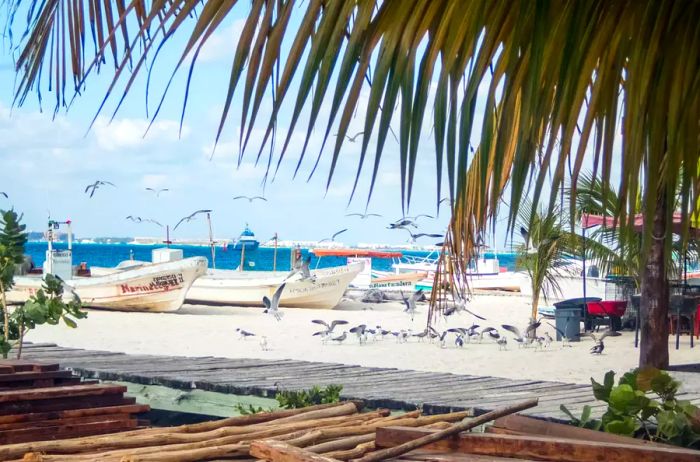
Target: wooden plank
<point x="64" y="421"/>
<point x="57" y="392"/>
<point x="537" y="447"/>
<point x="73" y="413"/>
<point x="64" y="403"/>
<point x="66" y="431"/>
<point x="26" y="366"/>
<point x="278" y="451"/>
<point x="32" y="375"/>
<point x="431" y="456"/>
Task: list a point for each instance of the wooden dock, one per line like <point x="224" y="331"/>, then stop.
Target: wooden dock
<point x="378" y="387"/>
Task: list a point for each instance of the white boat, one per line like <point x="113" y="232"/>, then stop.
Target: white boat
<point x="135" y="286"/>
<point x="247" y="288"/>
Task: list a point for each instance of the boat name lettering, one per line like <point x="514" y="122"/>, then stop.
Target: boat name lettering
<point x="378" y="285"/>
<point x="312" y="288"/>
<point x="167" y="281"/>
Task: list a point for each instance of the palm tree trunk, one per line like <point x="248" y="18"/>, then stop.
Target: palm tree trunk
<point x="653" y="347"/>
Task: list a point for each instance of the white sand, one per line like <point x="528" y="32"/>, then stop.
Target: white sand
<point x="210" y="331"/>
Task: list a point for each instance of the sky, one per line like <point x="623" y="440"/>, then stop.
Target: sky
<point x="47" y="162"/>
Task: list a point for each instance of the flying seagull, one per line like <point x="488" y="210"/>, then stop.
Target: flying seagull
<point x="329" y="327"/>
<point x="93" y="187"/>
<point x="250" y="198"/>
<point x="599" y="345"/>
<point x="419" y="235"/>
<point x="332" y="238"/>
<point x="564" y="338"/>
<point x="157" y="191"/>
<point x="352" y="138"/>
<point x="3" y="193"/>
<point x="272" y="306"/>
<point x="363" y="216"/>
<point x="303" y="268"/>
<point x="418" y="216"/>
<point x="410" y="302"/>
<point x="191" y="217"/>
<point x="402" y="224"/>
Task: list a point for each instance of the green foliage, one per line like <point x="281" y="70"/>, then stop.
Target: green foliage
<point x="12" y="240"/>
<point x="47" y="306"/>
<point x="643" y="404"/>
<point x="242" y="409"/>
<point x="303" y="398"/>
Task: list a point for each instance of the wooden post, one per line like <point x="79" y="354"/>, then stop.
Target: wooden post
<point x="653" y="347"/>
<point x="453" y="430"/>
<point x="240" y="268"/>
<point x="167" y="236"/>
<point x="211" y="242"/>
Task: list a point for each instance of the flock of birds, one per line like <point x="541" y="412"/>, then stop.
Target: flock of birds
<point x="459" y="336"/>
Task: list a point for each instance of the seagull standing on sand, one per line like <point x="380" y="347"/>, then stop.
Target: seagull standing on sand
<point x="272" y="306"/>
<point x="562" y="334"/>
<point x="250" y="198"/>
<point x="341" y="338"/>
<point x="191" y="217"/>
<point x="599" y="345"/>
<point x="360" y="331"/>
<point x="263" y="343"/>
<point x="244" y="334"/>
<point x="502" y="344"/>
<point x="93" y="187"/>
<point x="157" y="191"/>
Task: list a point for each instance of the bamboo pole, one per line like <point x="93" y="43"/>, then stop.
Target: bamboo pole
<point x="354" y="453"/>
<point x="453" y="430"/>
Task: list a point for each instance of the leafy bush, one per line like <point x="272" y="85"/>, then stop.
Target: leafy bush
<point x="303" y="398"/>
<point x="242" y="409"/>
<point x="12" y="240"/>
<point x="643" y="404"/>
<point x="46" y="307"/>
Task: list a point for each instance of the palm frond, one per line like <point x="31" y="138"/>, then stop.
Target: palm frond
<point x="562" y="79"/>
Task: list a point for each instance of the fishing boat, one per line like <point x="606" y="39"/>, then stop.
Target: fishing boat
<point x="323" y="290"/>
<point x="246" y="240"/>
<point x="139" y="286"/>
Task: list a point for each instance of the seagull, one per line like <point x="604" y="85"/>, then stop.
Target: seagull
<point x="191" y="217"/>
<point x="332" y="238"/>
<point x="157" y="191"/>
<point x="134" y="219"/>
<point x="93" y="187"/>
<point x="418" y="216"/>
<point x="522" y="340"/>
<point x="3" y="193"/>
<point x="360" y="332"/>
<point x="502" y="344"/>
<point x="599" y="345"/>
<point x="402" y="223"/>
<point x="244" y="334"/>
<point x="263" y="343"/>
<point x="340" y="339"/>
<point x="272" y="306"/>
<point x="410" y="302"/>
<point x="363" y="216"/>
<point x="250" y="198"/>
<point x="492" y="331"/>
<point x="352" y="138"/>
<point x="419" y="235"/>
<point x="459" y="304"/>
<point x="329" y="327"/>
<point x="421" y="335"/>
<point x="564" y="338"/>
<point x="547" y="340"/>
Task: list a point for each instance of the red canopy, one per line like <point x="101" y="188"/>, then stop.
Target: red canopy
<point x="589" y="221"/>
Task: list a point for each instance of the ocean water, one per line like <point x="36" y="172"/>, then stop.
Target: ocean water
<point x="108" y="255"/>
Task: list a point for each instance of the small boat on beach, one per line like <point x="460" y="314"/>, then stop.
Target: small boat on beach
<point x="323" y="290"/>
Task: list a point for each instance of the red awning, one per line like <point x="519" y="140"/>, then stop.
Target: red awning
<point x="589" y="221"/>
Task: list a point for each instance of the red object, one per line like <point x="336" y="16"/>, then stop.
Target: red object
<point x="589" y="221"/>
<point x="607" y="308"/>
<point x="355" y="253"/>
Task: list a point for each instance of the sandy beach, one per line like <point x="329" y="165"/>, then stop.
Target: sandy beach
<point x="210" y="331"/>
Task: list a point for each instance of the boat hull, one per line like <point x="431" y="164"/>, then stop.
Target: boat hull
<point x="247" y="288"/>
<point x="159" y="287"/>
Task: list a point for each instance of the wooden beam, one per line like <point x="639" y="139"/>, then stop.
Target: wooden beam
<point x="530" y="426"/>
<point x="537" y="447"/>
<point x="277" y="451"/>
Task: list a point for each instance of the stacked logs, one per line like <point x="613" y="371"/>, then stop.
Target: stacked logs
<point x="337" y="431"/>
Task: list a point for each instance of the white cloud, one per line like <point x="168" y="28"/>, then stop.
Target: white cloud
<point x="222" y="44"/>
<point x="130" y="133"/>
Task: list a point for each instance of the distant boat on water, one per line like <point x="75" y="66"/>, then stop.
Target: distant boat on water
<point x="246" y="239"/>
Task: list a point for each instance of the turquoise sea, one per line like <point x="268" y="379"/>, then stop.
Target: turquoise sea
<point x="108" y="255"/>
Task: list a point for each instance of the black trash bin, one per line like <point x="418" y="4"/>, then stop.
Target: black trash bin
<point x="568" y="316"/>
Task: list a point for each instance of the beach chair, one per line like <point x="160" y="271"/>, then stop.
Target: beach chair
<point x="683" y="307"/>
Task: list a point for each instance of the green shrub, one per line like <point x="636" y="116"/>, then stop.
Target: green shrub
<point x="644" y="404"/>
<point x="303" y="398"/>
